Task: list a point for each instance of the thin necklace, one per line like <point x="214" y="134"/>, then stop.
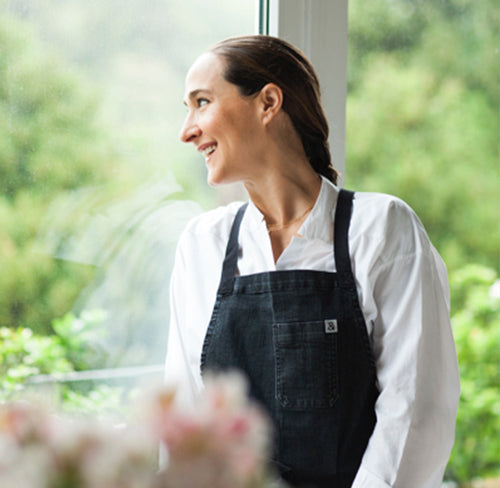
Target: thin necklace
<point x="275" y="227"/>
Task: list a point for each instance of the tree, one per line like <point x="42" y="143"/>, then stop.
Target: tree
<point x="476" y="326"/>
<point x="422" y="117"/>
<point x="50" y="142"/>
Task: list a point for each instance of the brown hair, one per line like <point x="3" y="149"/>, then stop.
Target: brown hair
<point x="254" y="61"/>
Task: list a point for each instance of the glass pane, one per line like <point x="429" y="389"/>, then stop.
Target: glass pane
<point x="94" y="182"/>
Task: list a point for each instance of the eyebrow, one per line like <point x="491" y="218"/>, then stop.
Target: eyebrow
<point x="194" y="93"/>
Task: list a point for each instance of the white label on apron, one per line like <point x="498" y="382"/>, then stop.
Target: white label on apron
<point x="331" y="326"/>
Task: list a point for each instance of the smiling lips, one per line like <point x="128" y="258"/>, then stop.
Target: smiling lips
<point x="207" y="149"/>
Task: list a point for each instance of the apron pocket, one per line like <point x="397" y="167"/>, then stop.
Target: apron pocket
<point x="306" y="364"/>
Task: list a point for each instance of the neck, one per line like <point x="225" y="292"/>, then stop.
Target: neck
<point x="285" y="197"/>
<point x="285" y="202"/>
<point x="286" y="186"/>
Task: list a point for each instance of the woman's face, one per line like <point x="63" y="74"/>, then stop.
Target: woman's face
<point x="223" y="125"/>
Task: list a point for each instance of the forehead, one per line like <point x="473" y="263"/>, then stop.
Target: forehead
<point x="205" y="72"/>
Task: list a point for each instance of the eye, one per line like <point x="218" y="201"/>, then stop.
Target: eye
<point x="201" y="102"/>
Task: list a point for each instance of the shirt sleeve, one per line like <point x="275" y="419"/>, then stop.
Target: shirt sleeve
<point x="193" y="287"/>
<point x="416" y="361"/>
<point x="177" y="370"/>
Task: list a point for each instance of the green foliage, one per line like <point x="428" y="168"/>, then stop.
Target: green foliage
<point x="24" y="354"/>
<point x="49" y="136"/>
<point x="74" y="347"/>
<point x="82" y="338"/>
<point x="476" y="327"/>
<point x="50" y="142"/>
<point x="422" y="117"/>
<point x="100" y="401"/>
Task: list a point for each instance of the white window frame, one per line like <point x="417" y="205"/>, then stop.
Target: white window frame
<point x="319" y="29"/>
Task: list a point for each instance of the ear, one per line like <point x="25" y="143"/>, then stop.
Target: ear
<point x="271" y="101"/>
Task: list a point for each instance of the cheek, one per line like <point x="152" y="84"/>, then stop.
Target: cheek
<point x="210" y="122"/>
<point x="244" y="127"/>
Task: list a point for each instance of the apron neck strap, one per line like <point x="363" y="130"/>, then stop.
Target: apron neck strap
<point x="343" y="213"/>
<point x="231" y="258"/>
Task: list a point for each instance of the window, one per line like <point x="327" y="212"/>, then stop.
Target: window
<point x="92" y="173"/>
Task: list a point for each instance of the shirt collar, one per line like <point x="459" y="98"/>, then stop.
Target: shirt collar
<point x="319" y="223"/>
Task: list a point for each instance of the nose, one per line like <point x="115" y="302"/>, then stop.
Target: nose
<point x="189" y="130"/>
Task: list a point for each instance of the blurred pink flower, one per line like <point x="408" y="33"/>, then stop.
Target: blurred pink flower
<point x="222" y="443"/>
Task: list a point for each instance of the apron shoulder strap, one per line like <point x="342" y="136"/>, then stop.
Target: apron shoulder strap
<point x="343" y="213"/>
<point x="231" y="258"/>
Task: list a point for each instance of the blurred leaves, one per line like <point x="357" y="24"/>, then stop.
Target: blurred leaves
<point x="82" y="338"/>
<point x="50" y="136"/>
<point x="24" y="354"/>
<point x="423" y="117"/>
<point x="76" y="346"/>
<point x="50" y="142"/>
<point x="476" y="327"/>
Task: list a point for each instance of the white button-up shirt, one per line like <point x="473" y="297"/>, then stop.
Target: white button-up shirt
<point x="403" y="292"/>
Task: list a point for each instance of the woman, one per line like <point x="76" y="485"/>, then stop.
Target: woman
<point x="333" y="305"/>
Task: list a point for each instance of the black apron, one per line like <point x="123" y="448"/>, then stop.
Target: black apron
<point x="300" y="339"/>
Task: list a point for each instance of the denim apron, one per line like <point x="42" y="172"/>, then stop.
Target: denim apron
<point x="300" y="338"/>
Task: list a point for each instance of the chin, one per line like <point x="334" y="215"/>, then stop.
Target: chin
<point x="213" y="182"/>
<point x="215" y="179"/>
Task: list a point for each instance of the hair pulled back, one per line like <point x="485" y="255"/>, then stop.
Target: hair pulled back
<point x="254" y="61"/>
